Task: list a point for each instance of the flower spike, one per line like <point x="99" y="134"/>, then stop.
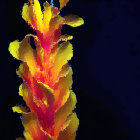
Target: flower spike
<point x="47" y="76"/>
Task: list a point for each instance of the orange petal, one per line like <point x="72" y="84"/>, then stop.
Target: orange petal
<point x="55" y="11"/>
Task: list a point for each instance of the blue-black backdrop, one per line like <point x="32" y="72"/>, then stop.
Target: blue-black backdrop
<point x="106" y="67"/>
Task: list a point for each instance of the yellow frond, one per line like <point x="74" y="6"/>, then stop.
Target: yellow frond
<point x="26" y="14"/>
<point x="19" y="109"/>
<point x="62" y="114"/>
<point x="69" y="132"/>
<point x="65" y="37"/>
<point x="48" y="93"/>
<point x="73" y="20"/>
<point x="36" y="15"/>
<point x="27" y="135"/>
<point x="14" y="48"/>
<point x="47" y="17"/>
<point x="64" y="54"/>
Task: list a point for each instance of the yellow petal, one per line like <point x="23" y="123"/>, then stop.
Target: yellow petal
<point x="20" y="70"/>
<point x="65" y="37"/>
<point x="23" y="89"/>
<point x="25" y="92"/>
<point x="30" y="123"/>
<point x="66" y="124"/>
<point x="27" y="54"/>
<point x="73" y="20"/>
<point x="56" y="22"/>
<point x="19" y="109"/>
<point x="63" y="3"/>
<point x="36" y="14"/>
<point x="48" y="93"/>
<point x="65" y="70"/>
<point x="62" y="90"/>
<point x="62" y="114"/>
<point x="73" y="124"/>
<point x="14" y="48"/>
<point x="64" y="54"/>
<point x="27" y="135"/>
<point x="26" y="14"/>
<point x="32" y="128"/>
<point x="69" y="132"/>
<point x="23" y="51"/>
<point x="47" y="17"/>
<point x="47" y="88"/>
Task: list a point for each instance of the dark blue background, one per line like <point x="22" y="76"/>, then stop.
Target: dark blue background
<point x="106" y="66"/>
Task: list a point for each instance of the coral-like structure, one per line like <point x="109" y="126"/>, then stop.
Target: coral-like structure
<point x="46" y="74"/>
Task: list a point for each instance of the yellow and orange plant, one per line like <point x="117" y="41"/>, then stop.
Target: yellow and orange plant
<point x="46" y="74"/>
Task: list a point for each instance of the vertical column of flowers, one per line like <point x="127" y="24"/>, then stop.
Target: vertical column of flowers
<point x="47" y="76"/>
